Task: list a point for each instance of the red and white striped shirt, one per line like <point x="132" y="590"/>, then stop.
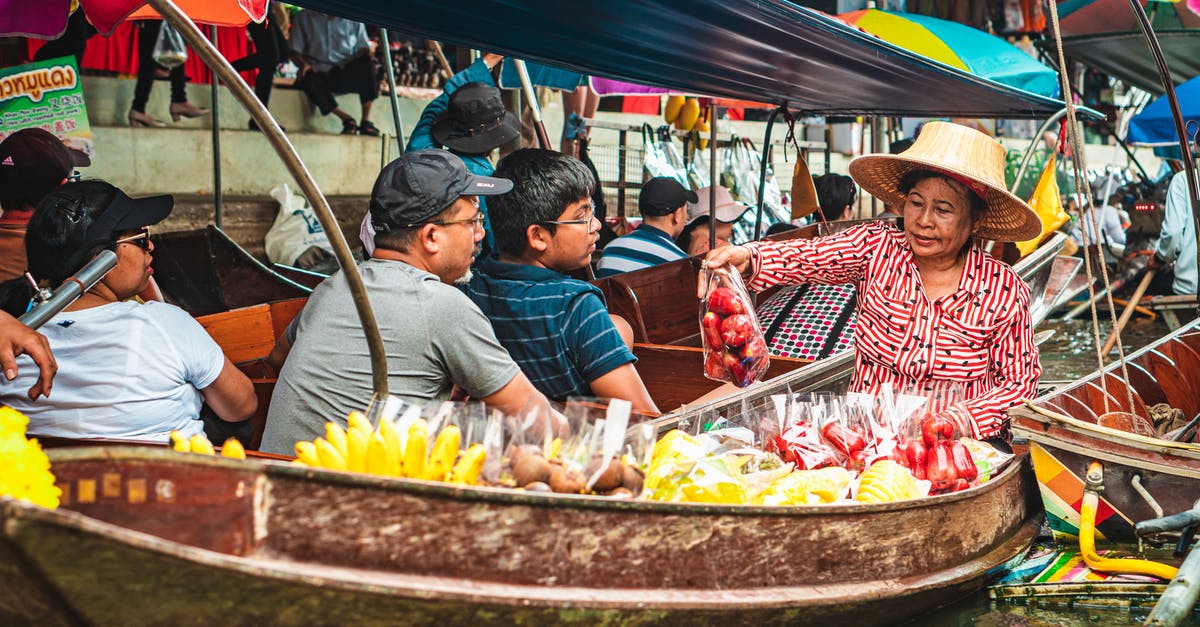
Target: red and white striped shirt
<point x="979" y="335"/>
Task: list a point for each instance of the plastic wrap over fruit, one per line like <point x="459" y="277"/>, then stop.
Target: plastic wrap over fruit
<point x="807" y="487"/>
<point x="734" y="347"/>
<point x="886" y="481"/>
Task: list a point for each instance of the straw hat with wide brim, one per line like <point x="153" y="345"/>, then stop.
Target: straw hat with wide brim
<point x="964" y="153"/>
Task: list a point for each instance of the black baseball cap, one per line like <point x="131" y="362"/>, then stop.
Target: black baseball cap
<point x="34" y="161"/>
<point x="662" y="195"/>
<point x="475" y="121"/>
<point x="125" y="214"/>
<point x="422" y="184"/>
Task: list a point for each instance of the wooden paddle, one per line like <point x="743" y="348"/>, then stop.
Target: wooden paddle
<point x="1128" y="313"/>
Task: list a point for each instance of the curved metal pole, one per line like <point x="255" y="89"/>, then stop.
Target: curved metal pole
<point x="534" y="107"/>
<point x="218" y="194"/>
<point x="287" y="153"/>
<point x="712" y="175"/>
<point x="391" y="78"/>
<point x="762" y="172"/>
<point x="1164" y="74"/>
<point x="1033" y="145"/>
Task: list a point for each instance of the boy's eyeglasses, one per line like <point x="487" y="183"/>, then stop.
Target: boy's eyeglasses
<point x="587" y="219"/>
<point x="141" y="240"/>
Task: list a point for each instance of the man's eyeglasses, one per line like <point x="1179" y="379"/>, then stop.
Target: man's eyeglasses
<point x="73" y="177"/>
<point x="587" y="219"/>
<point x="141" y="240"/>
<point x="476" y="222"/>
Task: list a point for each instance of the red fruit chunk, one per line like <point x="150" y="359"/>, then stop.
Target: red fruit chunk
<point x="737" y="330"/>
<point x="963" y="464"/>
<point x="714" y="366"/>
<point x="710" y="326"/>
<point x="725" y="302"/>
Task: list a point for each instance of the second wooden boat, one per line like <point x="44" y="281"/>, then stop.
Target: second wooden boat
<point x="1105" y="417"/>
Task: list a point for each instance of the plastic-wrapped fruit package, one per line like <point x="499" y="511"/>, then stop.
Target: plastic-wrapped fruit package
<point x="734" y="347"/>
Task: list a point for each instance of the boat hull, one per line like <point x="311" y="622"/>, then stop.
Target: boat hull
<point x="289" y="545"/>
<point x="1065" y="437"/>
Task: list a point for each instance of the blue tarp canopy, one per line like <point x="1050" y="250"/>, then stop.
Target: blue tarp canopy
<point x="1155" y="126"/>
<point x="770" y="51"/>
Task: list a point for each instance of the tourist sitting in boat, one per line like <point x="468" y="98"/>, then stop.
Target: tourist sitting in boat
<point x="1176" y="242"/>
<point x="32" y="162"/>
<point x="427" y="232"/>
<point x="558" y="329"/>
<point x="469" y="120"/>
<point x="663" y="205"/>
<point x="811" y="321"/>
<point x="126" y="370"/>
<point x="694" y="238"/>
<point x="934" y="309"/>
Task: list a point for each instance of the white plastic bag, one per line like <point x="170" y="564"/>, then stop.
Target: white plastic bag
<point x="295" y="230"/>
<point x="169" y="49"/>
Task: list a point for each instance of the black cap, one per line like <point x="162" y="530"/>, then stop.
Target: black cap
<point x="422" y="184"/>
<point x="125" y="214"/>
<point x="34" y="161"/>
<point x="661" y="195"/>
<point x="475" y="121"/>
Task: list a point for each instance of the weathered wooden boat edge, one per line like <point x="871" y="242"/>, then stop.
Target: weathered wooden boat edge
<point x="882" y="600"/>
<point x="30" y="530"/>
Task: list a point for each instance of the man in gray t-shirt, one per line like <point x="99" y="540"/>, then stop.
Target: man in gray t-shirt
<point x="428" y="228"/>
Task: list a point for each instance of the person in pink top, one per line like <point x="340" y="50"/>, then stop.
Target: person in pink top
<point x="935" y="310"/>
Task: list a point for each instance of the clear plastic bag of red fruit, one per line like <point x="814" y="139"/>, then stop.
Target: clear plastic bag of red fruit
<point x="930" y="440"/>
<point x="734" y="347"/>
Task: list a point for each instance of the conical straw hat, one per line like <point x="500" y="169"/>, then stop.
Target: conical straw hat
<point x="969" y="156"/>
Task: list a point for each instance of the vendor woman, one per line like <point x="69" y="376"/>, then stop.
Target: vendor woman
<point x="934" y="308"/>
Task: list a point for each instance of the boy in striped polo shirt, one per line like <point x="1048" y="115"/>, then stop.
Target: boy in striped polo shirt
<point x="556" y="328"/>
<point x="663" y="204"/>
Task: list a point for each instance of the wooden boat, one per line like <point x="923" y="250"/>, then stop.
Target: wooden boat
<point x="283" y="544"/>
<point x="204" y="271"/>
<point x="1144" y="477"/>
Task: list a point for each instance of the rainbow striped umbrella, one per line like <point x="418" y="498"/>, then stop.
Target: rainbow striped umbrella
<point x="958" y="46"/>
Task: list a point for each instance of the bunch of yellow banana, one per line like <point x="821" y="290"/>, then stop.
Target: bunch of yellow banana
<point x="199" y="444"/>
<point x="384" y="452"/>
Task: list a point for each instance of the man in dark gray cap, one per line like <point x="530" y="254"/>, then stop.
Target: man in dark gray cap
<point x="425" y="210"/>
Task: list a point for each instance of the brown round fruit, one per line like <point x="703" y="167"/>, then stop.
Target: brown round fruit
<point x="609" y="479"/>
<point x="565" y="481"/>
<point x="538" y="486"/>
<point x="518" y="452"/>
<point x="632" y="479"/>
<point x="619" y="493"/>
<point x="531" y="468"/>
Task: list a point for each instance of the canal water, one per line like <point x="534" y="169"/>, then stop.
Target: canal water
<point x="1067" y="355"/>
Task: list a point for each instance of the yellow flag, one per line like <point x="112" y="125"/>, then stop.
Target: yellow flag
<point x="1047" y="204"/>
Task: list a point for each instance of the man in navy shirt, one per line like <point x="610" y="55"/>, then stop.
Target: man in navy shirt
<point x="555" y="327"/>
<point x="663" y="204"/>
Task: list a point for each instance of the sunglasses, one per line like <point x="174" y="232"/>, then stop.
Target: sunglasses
<point x="141" y="240"/>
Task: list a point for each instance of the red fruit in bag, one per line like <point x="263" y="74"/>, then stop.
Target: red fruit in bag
<point x="710" y="326"/>
<point x="848" y="441"/>
<point x="725" y="302"/>
<point x="714" y="366"/>
<point x="935" y="428"/>
<point x="914" y="457"/>
<point x="737" y="330"/>
<point x="754" y="350"/>
<point x="939" y="467"/>
<point x="738" y="375"/>
<point x="959" y="484"/>
<point x="963" y="463"/>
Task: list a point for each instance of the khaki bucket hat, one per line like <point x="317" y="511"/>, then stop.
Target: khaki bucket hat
<point x="967" y="155"/>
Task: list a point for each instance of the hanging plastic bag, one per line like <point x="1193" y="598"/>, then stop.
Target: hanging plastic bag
<point x="169" y="49"/>
<point x="734" y="347"/>
<point x="748" y="169"/>
<point x="1047" y="204"/>
<point x="295" y="230"/>
<point x="659" y="155"/>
